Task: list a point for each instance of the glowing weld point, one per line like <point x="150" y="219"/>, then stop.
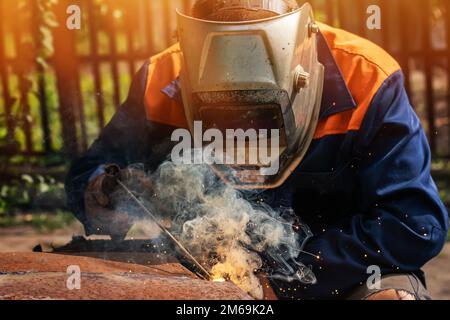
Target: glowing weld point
<point x="219" y="280"/>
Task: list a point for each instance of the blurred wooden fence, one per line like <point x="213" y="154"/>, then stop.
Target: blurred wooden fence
<point x="56" y="102"/>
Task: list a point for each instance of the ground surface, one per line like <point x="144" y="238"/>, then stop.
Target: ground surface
<point x="23" y="239"/>
<point x="45" y="276"/>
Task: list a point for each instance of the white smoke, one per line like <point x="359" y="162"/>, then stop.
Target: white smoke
<point x="226" y="230"/>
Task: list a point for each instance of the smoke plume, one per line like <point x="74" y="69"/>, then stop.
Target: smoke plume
<point x="227" y="230"/>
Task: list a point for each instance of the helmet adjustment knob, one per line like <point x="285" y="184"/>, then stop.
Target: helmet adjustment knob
<point x="313" y="28"/>
<point x="301" y="78"/>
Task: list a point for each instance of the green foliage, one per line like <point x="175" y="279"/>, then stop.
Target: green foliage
<point x="440" y="164"/>
<point x="23" y="192"/>
<point x="47" y="222"/>
<point x="441" y="172"/>
<point x="43" y="222"/>
<point x="46" y="21"/>
<point x="12" y="196"/>
<point x="33" y="51"/>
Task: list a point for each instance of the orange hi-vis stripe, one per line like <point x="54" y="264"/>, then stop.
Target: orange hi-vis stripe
<point x="364" y="66"/>
<point x="163" y="69"/>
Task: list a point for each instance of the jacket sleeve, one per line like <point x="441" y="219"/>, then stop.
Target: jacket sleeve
<point x="401" y="222"/>
<point x="128" y="139"/>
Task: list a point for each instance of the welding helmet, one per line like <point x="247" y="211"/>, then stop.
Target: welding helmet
<point x="259" y="74"/>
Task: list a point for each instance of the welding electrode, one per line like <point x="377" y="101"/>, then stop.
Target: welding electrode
<point x="113" y="173"/>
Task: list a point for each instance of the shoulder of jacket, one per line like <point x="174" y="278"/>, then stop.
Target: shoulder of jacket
<point x="346" y="45"/>
<point x="169" y="52"/>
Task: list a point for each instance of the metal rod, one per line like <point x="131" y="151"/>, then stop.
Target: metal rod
<point x="167" y="232"/>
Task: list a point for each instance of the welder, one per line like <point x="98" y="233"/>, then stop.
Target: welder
<point x="354" y="161"/>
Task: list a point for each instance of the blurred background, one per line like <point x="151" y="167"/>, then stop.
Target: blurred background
<point x="59" y="87"/>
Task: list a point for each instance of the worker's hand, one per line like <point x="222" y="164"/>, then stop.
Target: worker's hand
<point x="100" y="207"/>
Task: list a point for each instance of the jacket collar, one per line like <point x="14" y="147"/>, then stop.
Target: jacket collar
<point x="336" y="96"/>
